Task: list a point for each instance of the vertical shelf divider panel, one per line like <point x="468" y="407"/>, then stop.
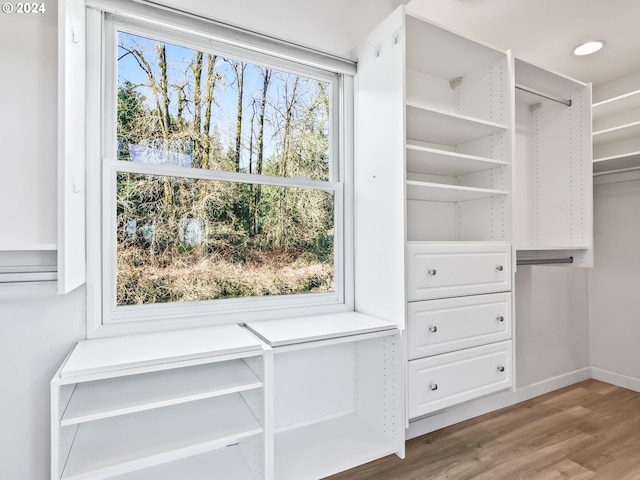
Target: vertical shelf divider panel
<point x="144" y="406"/>
<point x="553" y="199"/>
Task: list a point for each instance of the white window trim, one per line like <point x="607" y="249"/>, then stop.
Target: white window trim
<point x="102" y="318"/>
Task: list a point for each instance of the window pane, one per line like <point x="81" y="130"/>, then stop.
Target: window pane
<point x="200" y="110"/>
<point x="184" y="240"/>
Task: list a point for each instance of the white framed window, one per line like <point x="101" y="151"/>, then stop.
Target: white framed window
<point x="218" y="170"/>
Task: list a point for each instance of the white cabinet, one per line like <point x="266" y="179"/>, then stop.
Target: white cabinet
<point x="441" y="326"/>
<point x="319" y="395"/>
<point x="616" y="125"/>
<point x="434" y="144"/>
<point x="444" y="380"/>
<point x="148" y="406"/>
<point x="553" y="194"/>
<point x="338" y="398"/>
<point x="452" y="270"/>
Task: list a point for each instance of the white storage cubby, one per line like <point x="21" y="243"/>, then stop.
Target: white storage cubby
<point x="616" y="125"/>
<point x="338" y="398"/>
<point x="553" y="187"/>
<point x="150" y="406"/>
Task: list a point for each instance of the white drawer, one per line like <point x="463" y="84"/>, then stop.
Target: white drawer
<point x="451" y="378"/>
<point x="454" y="270"/>
<point x="440" y="326"/>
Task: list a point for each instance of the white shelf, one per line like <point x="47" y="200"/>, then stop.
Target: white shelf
<point x="328" y="447"/>
<point x="444" y="54"/>
<point x="225" y="463"/>
<point x="15" y="247"/>
<point x="105" y="355"/>
<point x="127" y="443"/>
<point x="442" y="162"/>
<point x="434" y="125"/>
<point x="533" y="248"/>
<point x="440" y="192"/>
<point x="617" y="134"/>
<point x="290" y="331"/>
<point x="616" y="162"/>
<point x="610" y="107"/>
<point x="134" y="393"/>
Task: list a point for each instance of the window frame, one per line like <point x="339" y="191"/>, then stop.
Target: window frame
<point x="104" y="318"/>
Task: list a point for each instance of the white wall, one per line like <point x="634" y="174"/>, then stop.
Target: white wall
<point x="331" y="26"/>
<point x="37" y="327"/>
<point x="615" y="281"/>
<point x="28" y="96"/>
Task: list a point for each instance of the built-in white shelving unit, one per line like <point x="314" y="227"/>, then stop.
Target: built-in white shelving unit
<point x="338" y="394"/>
<point x="434" y="161"/>
<point x="616" y="125"/>
<point x="553" y="199"/>
<point x="145" y="406"/>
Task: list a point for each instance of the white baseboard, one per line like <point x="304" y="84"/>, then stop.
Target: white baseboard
<point x="494" y="402"/>
<point x="617" y="379"/>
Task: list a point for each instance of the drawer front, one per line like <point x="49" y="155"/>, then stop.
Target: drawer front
<point x="440" y="326"/>
<point x="439" y="271"/>
<point x="451" y="378"/>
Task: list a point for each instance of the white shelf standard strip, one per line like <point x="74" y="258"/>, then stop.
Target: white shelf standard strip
<point x="440" y="192"/>
<point x="318" y="327"/>
<point x="442" y="162"/>
<point x="134" y="393"/>
<point x="102" y="355"/>
<point x="127" y="443"/>
<point x="329" y="447"/>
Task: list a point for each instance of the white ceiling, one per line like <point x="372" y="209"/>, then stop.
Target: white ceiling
<point x="544" y="32"/>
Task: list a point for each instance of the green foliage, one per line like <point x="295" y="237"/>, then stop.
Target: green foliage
<point x="181" y="239"/>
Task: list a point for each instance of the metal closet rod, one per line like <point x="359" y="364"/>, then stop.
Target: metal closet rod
<point x="543" y="261"/>
<point x="543" y="95"/>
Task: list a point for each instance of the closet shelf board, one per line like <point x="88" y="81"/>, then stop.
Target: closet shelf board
<point x="442" y="162"/>
<point x="616" y="134"/>
<point x="102" y="355"/>
<point x="629" y="160"/>
<point x="324" y="448"/>
<point x="133" y="393"/>
<point x="616" y="105"/>
<point x="290" y="331"/>
<point x="127" y="443"/>
<point x="447" y="128"/>
<point x="439" y="192"/>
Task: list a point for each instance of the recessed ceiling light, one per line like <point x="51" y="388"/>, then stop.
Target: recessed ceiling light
<point x="587" y="48"/>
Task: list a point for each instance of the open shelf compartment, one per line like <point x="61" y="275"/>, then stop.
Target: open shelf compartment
<point x="112" y="446"/>
<point x="111" y="397"/>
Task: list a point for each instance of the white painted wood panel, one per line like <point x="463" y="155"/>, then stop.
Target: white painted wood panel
<point x="317" y="327"/>
<point x="322" y="449"/>
<point x="445" y="380"/>
<point x="440" y="326"/>
<point x="133" y="393"/>
<point x="433" y="125"/>
<point x="225" y="463"/>
<point x="71" y="144"/>
<point x="120" y="353"/>
<point x="118" y="445"/>
<point x="441" y="270"/>
<point x="438" y="192"/>
<point x="441" y="162"/>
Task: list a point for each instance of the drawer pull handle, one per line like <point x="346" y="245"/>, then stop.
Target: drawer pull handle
<point x="500" y="318"/>
<point x="433" y="329"/>
<point x="431" y="272"/>
<point x="433" y="386"/>
<point x="499" y="268"/>
<point x="501" y="368"/>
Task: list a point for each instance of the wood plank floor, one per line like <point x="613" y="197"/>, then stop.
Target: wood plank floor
<point x="590" y="430"/>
